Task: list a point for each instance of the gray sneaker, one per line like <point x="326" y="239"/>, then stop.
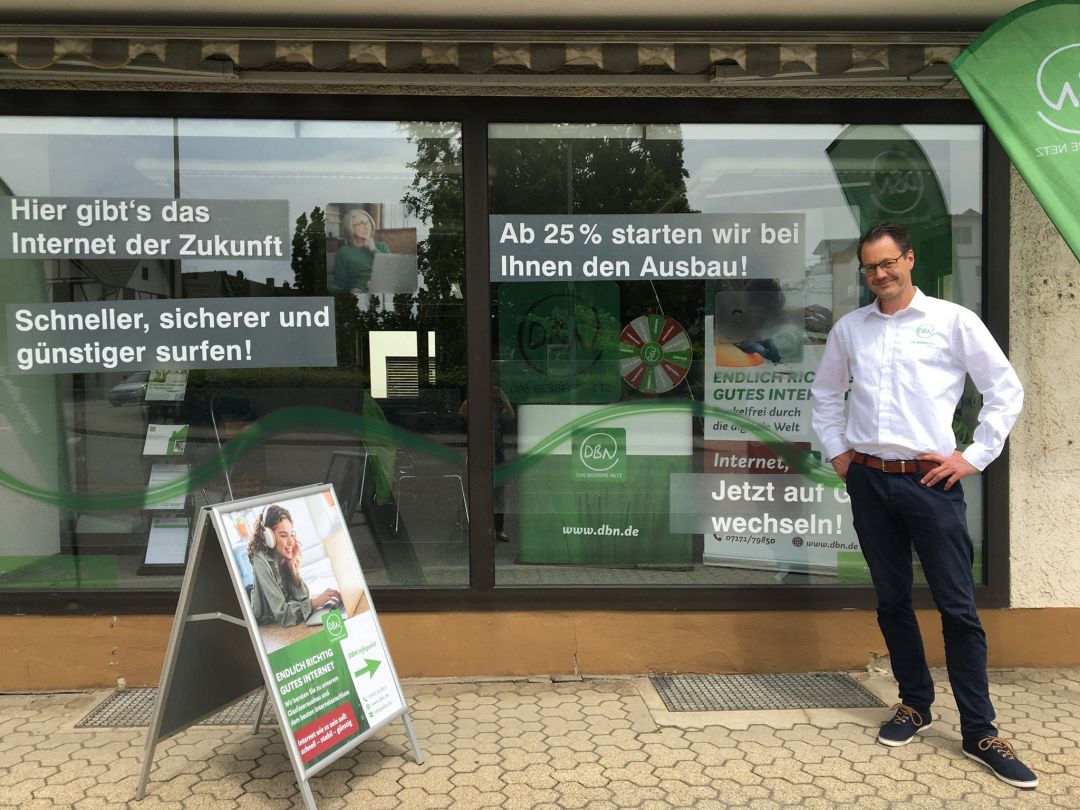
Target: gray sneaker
<point x="904" y="725"/>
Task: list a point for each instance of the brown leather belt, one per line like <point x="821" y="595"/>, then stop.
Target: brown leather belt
<point x="897" y="466"/>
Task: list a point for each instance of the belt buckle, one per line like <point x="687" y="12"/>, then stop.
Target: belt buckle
<point x="902" y="466"/>
<point x="881" y="464"/>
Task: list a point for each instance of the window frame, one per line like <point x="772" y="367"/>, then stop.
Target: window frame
<point x="475" y="113"/>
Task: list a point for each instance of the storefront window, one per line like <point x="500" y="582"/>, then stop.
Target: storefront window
<point x="662" y="297"/>
<point x="205" y="309"/>
<point x="198" y="310"/>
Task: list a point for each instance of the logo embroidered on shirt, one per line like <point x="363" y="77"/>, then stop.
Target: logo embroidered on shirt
<point x="924" y="332"/>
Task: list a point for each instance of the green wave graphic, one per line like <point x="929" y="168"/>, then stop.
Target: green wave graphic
<point x="321" y="420"/>
<point x="379" y="433"/>
<point x="799" y="460"/>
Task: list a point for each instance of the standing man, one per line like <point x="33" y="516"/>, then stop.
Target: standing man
<point x="906" y="356"/>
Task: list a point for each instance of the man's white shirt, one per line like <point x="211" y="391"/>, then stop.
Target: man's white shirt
<point x="906" y="375"/>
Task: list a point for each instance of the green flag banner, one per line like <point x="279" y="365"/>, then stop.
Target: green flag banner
<point x="886" y="177"/>
<point x="1022" y="74"/>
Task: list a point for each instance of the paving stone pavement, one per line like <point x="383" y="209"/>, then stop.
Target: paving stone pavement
<point x="595" y="744"/>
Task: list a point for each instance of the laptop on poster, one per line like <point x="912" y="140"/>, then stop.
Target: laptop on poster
<point x="393" y="273"/>
<point x="316" y="617"/>
<point x="347" y="574"/>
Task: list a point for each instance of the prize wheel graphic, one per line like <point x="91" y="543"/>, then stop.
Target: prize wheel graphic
<point x="654" y="354"/>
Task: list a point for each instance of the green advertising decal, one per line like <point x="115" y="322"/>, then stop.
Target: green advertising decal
<point x="887" y="177"/>
<point x="316" y="689"/>
<point x="595" y="490"/>
<point x="559" y="342"/>
<point x="599" y="454"/>
<point x="1022" y="74"/>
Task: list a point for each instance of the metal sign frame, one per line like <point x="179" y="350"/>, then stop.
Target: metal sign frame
<point x="209" y="667"/>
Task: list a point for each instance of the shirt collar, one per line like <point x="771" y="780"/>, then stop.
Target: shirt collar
<point x="918" y="304"/>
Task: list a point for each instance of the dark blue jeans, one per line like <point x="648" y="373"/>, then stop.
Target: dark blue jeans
<point x="892" y="513"/>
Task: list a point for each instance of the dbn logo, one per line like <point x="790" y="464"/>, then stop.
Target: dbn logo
<point x="560" y="335"/>
<point x="599" y="452"/>
<point x="1054" y="82"/>
<point x="896" y="183"/>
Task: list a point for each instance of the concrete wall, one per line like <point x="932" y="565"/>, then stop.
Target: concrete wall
<point x="1045" y="445"/>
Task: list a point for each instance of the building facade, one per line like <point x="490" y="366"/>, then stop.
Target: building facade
<point x="252" y="255"/>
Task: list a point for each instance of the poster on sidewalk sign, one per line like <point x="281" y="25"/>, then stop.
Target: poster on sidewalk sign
<point x="315" y="629"/>
<point x="279" y="602"/>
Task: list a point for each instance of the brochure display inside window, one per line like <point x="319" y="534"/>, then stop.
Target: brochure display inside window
<point x="198" y="310"/>
<point x="662" y="296"/>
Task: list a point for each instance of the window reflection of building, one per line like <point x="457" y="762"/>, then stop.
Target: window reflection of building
<point x="221" y="284"/>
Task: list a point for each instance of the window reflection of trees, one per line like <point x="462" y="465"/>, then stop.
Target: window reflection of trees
<point x="625" y="174"/>
<point x="435" y="197"/>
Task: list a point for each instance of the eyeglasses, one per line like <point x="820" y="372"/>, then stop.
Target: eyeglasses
<point x="887" y="265"/>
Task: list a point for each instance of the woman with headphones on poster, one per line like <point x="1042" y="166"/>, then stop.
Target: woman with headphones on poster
<point x="280" y="594"/>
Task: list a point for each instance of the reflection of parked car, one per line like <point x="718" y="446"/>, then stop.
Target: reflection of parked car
<point x="130" y="389"/>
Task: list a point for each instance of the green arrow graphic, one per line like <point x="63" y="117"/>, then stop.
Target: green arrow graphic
<point x="370" y="665"/>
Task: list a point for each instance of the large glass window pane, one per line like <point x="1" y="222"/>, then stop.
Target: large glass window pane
<point x="662" y="297"/>
<point x="346" y="320"/>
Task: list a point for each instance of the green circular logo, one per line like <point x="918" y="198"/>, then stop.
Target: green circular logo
<point x="925" y="331"/>
<point x="599" y="452"/>
<point x="896" y="183"/>
<point x="652" y="354"/>
<point x="335" y="627"/>
<point x="1054" y="81"/>
<point x="561" y="335"/>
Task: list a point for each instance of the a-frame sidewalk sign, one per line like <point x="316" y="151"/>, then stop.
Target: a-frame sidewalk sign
<point x="326" y="670"/>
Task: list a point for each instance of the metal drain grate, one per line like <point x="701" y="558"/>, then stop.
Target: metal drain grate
<point x="126" y="708"/>
<point x="731" y="693"/>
